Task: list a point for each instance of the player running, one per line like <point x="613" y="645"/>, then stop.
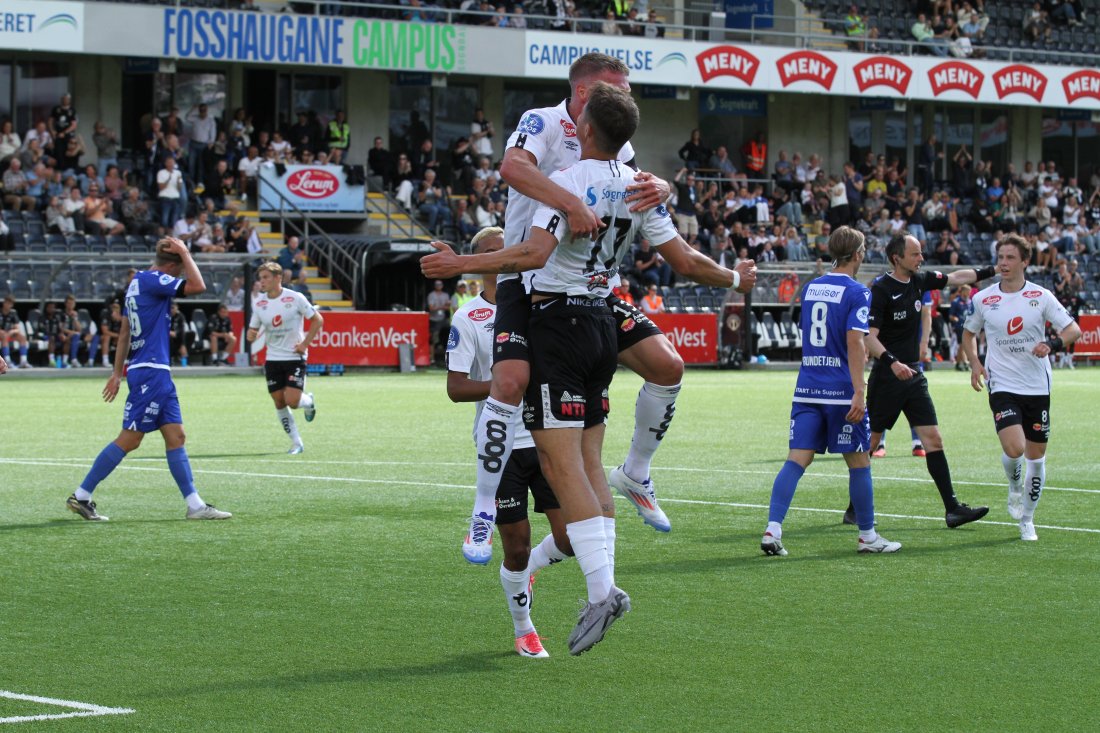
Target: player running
<point x="279" y="314"/>
<point x="1014" y="314"/>
<point x="897" y="384"/>
<point x="152" y="403"/>
<point x="573" y="334"/>
<point x="829" y="410"/>
<point x="546" y="141"/>
<point x="469" y="365"/>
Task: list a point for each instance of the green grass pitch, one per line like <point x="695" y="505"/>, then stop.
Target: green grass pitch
<point x="337" y="599"/>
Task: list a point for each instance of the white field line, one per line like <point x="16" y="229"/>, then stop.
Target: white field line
<point x="344" y="479"/>
<point x="671" y="469"/>
<point x="84" y="709"/>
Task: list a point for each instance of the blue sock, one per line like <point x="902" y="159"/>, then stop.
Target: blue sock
<point x="107" y="460"/>
<point x="783" y="490"/>
<point x="74" y="348"/>
<point x="22" y="352"/>
<point x="181" y="470"/>
<point x="863" y="497"/>
<point x="5" y="352"/>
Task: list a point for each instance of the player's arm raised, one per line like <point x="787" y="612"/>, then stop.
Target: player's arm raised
<point x="191" y="274"/>
<point x="696" y="266"/>
<point x="520" y="169"/>
<point x="970" y="276"/>
<point x="857" y="357"/>
<point x="529" y="255"/>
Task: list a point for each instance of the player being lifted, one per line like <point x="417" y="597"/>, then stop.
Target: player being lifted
<point x="469" y="367"/>
<point x="1014" y="314"/>
<point x="896" y="384"/>
<point x="573" y="334"/>
<point x="546" y="141"/>
<point x="279" y="314"/>
<point x="829" y="408"/>
<point x="152" y="403"/>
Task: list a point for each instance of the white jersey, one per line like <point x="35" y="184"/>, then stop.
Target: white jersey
<point x="470" y="351"/>
<point x="584" y="266"/>
<point x="282" y="319"/>
<point x="550" y="135"/>
<point x="1014" y="324"/>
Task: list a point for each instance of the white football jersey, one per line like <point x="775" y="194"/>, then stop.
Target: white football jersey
<point x="585" y="266"/>
<point x="470" y="351"/>
<point x="282" y="319"/>
<point x="550" y="135"/>
<point x="1014" y="324"/>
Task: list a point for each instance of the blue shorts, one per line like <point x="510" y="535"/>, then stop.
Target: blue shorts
<point x="152" y="402"/>
<point x="817" y="427"/>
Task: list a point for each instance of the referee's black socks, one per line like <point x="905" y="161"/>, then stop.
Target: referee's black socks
<point x="941" y="474"/>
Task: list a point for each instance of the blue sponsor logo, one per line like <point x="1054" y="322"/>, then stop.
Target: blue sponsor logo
<point x="590" y="196"/>
<point x="62" y="19"/>
<point x="452" y="339"/>
<point x="564" y="54"/>
<point x="671" y="58"/>
<point x="613" y="195"/>
<point x="532" y="124"/>
<point x="662" y="211"/>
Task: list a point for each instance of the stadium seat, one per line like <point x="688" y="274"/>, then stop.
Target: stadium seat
<point x="763" y="341"/>
<point x="691" y="303"/>
<point x="673" y="303"/>
<point x="779" y="341"/>
<point x="95" y="243"/>
<point x="133" y="242"/>
<point x="36" y="231"/>
<point x="790" y="330"/>
<point x="199" y="343"/>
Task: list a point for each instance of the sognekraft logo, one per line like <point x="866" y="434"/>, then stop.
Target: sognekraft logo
<point x="312" y="183"/>
<point x="957" y="76"/>
<point x="882" y="71"/>
<point x="806" y="66"/>
<point x="1019" y="79"/>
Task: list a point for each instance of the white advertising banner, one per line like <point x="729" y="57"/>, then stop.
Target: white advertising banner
<point x="42" y="25"/>
<point x="310" y="188"/>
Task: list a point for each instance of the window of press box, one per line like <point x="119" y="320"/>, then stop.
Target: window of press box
<point x="38" y="88"/>
<point x="187" y="90"/>
<point x="421" y="112"/>
<point x="1074" y="146"/>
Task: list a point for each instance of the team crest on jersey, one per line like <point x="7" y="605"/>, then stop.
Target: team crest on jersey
<point x="480" y="314"/>
<point x="532" y="124"/>
<point x="568" y="128"/>
<point x="918" y="305"/>
<point x="861" y="314"/>
<point x="1033" y="303"/>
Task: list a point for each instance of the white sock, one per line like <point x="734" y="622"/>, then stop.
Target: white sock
<point x="609" y="536"/>
<point x="775" y="529"/>
<point x="194" y="501"/>
<point x="82" y="495"/>
<point x="1014" y="470"/>
<point x="286" y="419"/>
<point x="868" y="535"/>
<point x="1034" y="481"/>
<point x="515" y="583"/>
<point x="652" y="414"/>
<point x="545" y="553"/>
<point x="590" y="549"/>
<point x="305" y="401"/>
<point x="495" y="432"/>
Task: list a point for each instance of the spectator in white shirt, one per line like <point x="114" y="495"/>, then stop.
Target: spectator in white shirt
<point x="204" y="131"/>
<point x="10" y="143"/>
<point x="170" y="193"/>
<point x="249" y="168"/>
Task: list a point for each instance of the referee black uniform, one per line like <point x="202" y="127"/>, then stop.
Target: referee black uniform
<point x="895" y="312"/>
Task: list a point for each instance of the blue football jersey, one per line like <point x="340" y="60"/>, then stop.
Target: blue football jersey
<point x="832" y="306"/>
<point x="148" y="305"/>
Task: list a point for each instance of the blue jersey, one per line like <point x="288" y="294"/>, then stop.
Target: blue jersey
<point x="148" y="304"/>
<point x="832" y="306"/>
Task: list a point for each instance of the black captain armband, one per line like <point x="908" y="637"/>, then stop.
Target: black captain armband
<point x="1055" y="344"/>
<point x="887" y="359"/>
<point x="984" y="273"/>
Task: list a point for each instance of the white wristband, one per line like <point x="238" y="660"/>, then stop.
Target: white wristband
<point x="736" y="279"/>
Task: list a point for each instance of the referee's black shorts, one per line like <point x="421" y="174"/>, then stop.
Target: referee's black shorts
<point x="888" y="397"/>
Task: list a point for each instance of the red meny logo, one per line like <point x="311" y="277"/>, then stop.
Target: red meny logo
<point x="882" y="71"/>
<point x="312" y="183"/>
<point x="1015" y="325"/>
<point x="957" y="76"/>
<point x="727" y="61"/>
<point x="806" y="66"/>
<point x="1080" y="84"/>
<point x="1019" y="79"/>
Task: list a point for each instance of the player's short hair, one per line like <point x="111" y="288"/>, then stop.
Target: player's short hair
<point x="591" y="64"/>
<point x="166" y="257"/>
<point x="486" y="233"/>
<point x="844" y="243"/>
<point x="613" y="115"/>
<point x="896" y="246"/>
<point x="273" y="267"/>
<point x="9" y="299"/>
<point x="1021" y="245"/>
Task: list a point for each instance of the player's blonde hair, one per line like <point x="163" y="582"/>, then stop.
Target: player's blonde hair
<point x="273" y="267"/>
<point x="484" y="234"/>
<point x="844" y="243"/>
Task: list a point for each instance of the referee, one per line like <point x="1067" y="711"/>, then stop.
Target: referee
<point x="896" y="384"/>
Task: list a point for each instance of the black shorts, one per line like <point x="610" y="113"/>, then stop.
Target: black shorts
<point x="572" y="364"/>
<point x="1030" y="411"/>
<point x="888" y="397"/>
<point x="631" y="325"/>
<point x="510" y="328"/>
<point x="283" y="374"/>
<point x="523" y="472"/>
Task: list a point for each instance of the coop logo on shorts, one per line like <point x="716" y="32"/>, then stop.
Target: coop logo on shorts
<point x="861" y="314"/>
<point x="532" y="124"/>
<point x="502" y="337"/>
<point x="452" y="339"/>
<point x="627" y="325"/>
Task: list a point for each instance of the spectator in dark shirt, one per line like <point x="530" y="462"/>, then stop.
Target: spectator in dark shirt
<point x="220" y="332"/>
<point x="687" y="205"/>
<point x="380" y="162"/>
<point x="291" y="258"/>
<point x="650" y="266"/>
<point x="694" y="153"/>
<point x="177" y="335"/>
